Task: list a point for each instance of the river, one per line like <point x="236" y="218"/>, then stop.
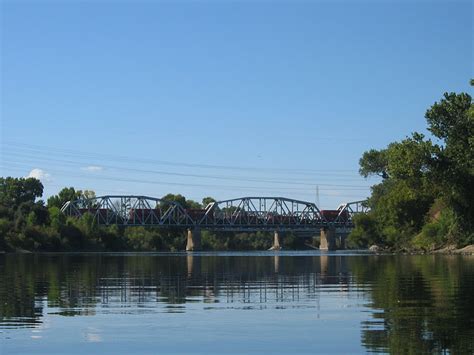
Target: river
<point x="236" y="303"/>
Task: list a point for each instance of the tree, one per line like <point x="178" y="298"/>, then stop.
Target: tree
<point x="57" y="219"/>
<point x="87" y="194"/>
<point x="66" y="194"/>
<point x="411" y="158"/>
<point x="452" y="121"/>
<point x="374" y="162"/>
<point x="207" y="200"/>
<point x="193" y="204"/>
<point x="70" y="194"/>
<point x="180" y="199"/>
<point x="173" y="198"/>
<point x="416" y="173"/>
<point x="15" y="191"/>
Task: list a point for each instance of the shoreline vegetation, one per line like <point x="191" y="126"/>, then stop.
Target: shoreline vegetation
<point x="425" y="198"/>
<point x="376" y="250"/>
<point x="423" y="202"/>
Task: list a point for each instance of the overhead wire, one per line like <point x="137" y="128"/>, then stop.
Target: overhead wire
<point x="18" y="156"/>
<point x="158" y="172"/>
<point x="298" y="191"/>
<point x="9" y="144"/>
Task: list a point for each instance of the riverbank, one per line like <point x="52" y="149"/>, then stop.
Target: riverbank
<point x="449" y="250"/>
<point x="376" y="249"/>
<point x="467" y="250"/>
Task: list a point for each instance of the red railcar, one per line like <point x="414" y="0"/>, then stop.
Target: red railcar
<point x="142" y="215"/>
<point x="83" y="210"/>
<point x="331" y="215"/>
<point x="196" y="213"/>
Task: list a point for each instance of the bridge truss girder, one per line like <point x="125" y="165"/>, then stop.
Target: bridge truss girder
<point x="262" y="213"/>
<point x="241" y="214"/>
<point x="130" y="210"/>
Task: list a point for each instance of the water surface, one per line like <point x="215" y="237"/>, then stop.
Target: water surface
<point x="236" y="303"/>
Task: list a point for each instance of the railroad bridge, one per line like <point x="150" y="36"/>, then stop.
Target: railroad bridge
<point x="246" y="214"/>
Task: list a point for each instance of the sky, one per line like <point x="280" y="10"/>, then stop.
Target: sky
<point x="221" y="98"/>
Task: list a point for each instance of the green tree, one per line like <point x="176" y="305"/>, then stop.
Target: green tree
<point x="56" y="217"/>
<point x="374" y="162"/>
<point x="180" y="199"/>
<point x="15" y="191"/>
<point x="193" y="204"/>
<point x="69" y="194"/>
<point x="416" y="173"/>
<point x="207" y="200"/>
<point x="400" y="202"/>
<point x="172" y="198"/>
<point x="452" y="121"/>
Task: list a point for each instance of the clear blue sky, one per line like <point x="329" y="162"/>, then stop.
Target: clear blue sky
<point x="221" y="98"/>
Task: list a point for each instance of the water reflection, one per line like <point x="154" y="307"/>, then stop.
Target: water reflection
<point x="80" y="284"/>
<point x="422" y="304"/>
<point x="411" y="304"/>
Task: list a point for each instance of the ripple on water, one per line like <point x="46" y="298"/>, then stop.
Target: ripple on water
<point x="371" y="302"/>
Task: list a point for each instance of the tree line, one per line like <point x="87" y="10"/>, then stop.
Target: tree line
<point x="425" y="198"/>
<point x="28" y="223"/>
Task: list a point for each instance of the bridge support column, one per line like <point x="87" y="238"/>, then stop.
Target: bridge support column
<point x="194" y="240"/>
<point x="276" y="241"/>
<point x="328" y="239"/>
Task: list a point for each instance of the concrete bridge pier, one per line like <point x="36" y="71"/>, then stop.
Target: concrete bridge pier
<point x="276" y="241"/>
<point x="194" y="240"/>
<point x="328" y="239"/>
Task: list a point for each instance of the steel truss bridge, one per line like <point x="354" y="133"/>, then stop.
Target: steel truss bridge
<point x="240" y="214"/>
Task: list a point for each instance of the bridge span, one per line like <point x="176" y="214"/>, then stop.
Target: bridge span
<point x="246" y="214"/>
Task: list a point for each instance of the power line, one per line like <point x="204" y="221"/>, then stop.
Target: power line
<point x="154" y="182"/>
<point x="71" y="152"/>
<point x="158" y="172"/>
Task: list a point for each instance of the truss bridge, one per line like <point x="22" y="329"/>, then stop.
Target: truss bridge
<point x="246" y="214"/>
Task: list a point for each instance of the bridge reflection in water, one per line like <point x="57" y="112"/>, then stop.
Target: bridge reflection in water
<point x="90" y="284"/>
<point x="205" y="281"/>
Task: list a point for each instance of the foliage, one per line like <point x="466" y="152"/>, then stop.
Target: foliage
<point x="207" y="200"/>
<point x="374" y="162"/>
<point x="365" y="232"/>
<point x="418" y="174"/>
<point x="179" y="199"/>
<point x="437" y="232"/>
<point x="69" y="194"/>
<point x="452" y="121"/>
<point x="14" y="192"/>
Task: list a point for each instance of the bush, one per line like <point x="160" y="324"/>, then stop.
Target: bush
<point x="437" y="232"/>
<point x="365" y="232"/>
